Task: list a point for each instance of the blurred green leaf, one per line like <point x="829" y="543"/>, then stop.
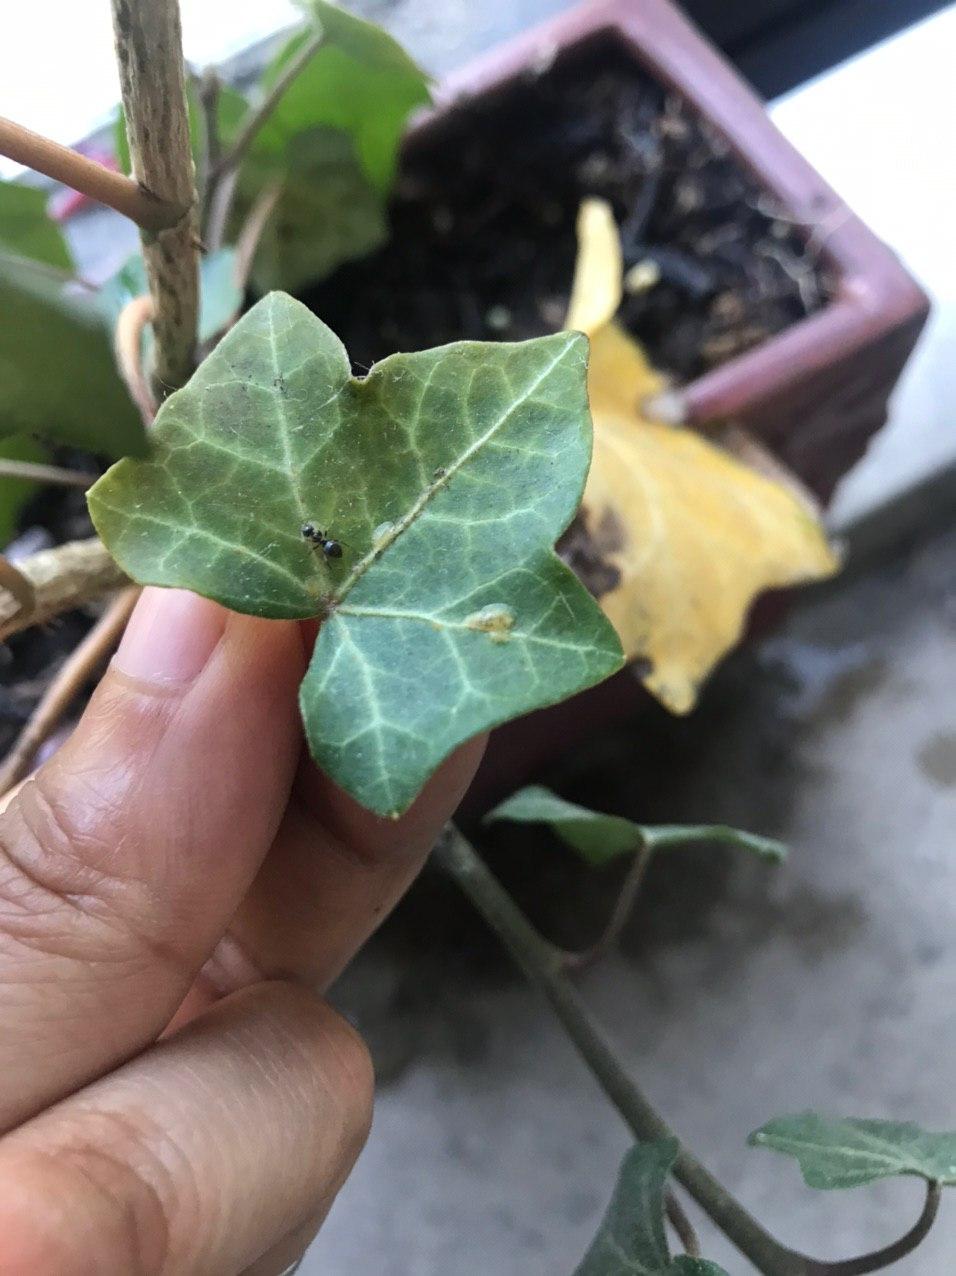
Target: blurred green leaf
<point x="327" y="212"/>
<point x="836" y="1152"/>
<point x="599" y="837"/>
<point x="27" y="231"/>
<point x="631" y="1240"/>
<point x="446" y="475"/>
<point x="15" y="492"/>
<point x="360" y="81"/>
<point x="57" y="375"/>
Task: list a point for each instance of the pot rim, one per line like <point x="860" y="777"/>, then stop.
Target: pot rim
<point x="874" y="294"/>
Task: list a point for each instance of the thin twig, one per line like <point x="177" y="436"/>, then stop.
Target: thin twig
<point x="128" y="349"/>
<point x="62" y="578"/>
<point x="149" y="54"/>
<point x="132" y="199"/>
<point x="623" y="907"/>
<point x="247" y="241"/>
<point x="20" y="588"/>
<point x="76" y="672"/>
<point x="258" y="115"/>
<point x="35" y="472"/>
<point x="542" y="963"/>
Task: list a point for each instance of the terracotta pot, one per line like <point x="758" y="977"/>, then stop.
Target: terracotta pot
<point x="815" y="392"/>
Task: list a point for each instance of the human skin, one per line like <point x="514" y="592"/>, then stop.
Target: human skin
<point x="178" y="885"/>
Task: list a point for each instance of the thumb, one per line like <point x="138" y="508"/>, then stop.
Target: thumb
<point x="124" y="858"/>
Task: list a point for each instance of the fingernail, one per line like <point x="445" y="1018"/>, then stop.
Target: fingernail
<point x="170" y="636"/>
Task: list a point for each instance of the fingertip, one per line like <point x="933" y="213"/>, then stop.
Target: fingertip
<point x="369" y="836"/>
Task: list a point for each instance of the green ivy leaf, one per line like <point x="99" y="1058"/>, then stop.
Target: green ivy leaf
<point x="27" y="231"/>
<point x="631" y="1240"/>
<point x="361" y="81"/>
<point x="57" y="375"/>
<point x="598" y="837"/>
<point x="327" y="213"/>
<point x="838" y="1152"/>
<point x="446" y="474"/>
<point x="220" y="296"/>
<point x="15" y="492"/>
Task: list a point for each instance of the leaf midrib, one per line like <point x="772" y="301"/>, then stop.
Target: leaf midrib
<point x="401" y="525"/>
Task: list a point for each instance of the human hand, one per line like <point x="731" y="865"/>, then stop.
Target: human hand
<point x="174" y="882"/>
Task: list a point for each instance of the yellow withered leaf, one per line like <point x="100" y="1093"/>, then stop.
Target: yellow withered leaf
<point x="686" y="536"/>
<point x="599" y="270"/>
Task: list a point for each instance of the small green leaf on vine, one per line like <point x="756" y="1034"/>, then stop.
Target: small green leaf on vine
<point x="599" y="837"/>
<point x="836" y="1152"/>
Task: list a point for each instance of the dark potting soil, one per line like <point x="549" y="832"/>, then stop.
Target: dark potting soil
<point x="483" y="239"/>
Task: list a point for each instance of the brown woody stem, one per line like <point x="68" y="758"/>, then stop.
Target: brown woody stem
<point x="152" y="78"/>
<point x="61" y="578"/>
<point x="135" y="201"/>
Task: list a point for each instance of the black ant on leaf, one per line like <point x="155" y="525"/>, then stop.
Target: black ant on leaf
<point x="321" y="540"/>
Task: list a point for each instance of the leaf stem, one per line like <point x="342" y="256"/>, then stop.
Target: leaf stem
<point x="135" y="201"/>
<point x="35" y="472"/>
<point x="542" y="964"/>
<point x="623" y="907"/>
<point x="890" y="1254"/>
<point x="258" y="115"/>
<point x="149" y="54"/>
<point x="128" y="350"/>
<point x="223" y="175"/>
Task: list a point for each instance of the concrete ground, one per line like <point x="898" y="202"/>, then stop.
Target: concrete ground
<point x="826" y="983"/>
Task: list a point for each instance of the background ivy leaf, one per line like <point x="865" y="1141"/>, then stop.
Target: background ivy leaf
<point x="599" y="837"/>
<point x="27" y="231"/>
<point x="838" y="1152"/>
<point x="15" y="492"/>
<point x="328" y="211"/>
<point x="360" y="81"/>
<point x="447" y="475"/>
<point x="57" y="375"/>
<point x="631" y="1240"/>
